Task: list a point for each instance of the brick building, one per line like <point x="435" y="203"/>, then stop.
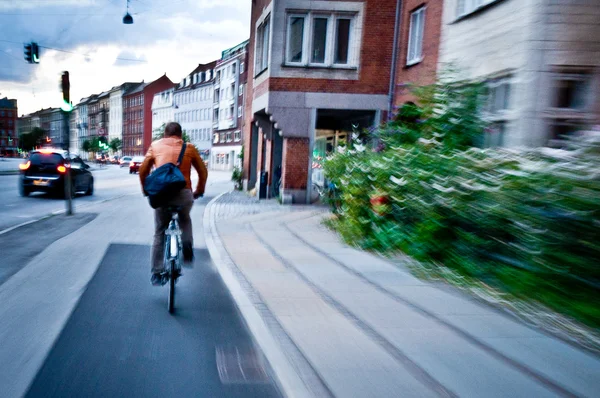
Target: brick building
<point x="9" y="139"/>
<point x="137" y="115"/>
<point x="317" y="71"/>
<point x="228" y="118"/>
<point x="133" y="120"/>
<point x="418" y="41"/>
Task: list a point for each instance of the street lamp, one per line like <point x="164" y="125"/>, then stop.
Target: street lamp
<point x="127" y="19"/>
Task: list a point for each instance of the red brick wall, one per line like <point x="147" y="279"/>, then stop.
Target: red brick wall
<point x="257" y="8"/>
<point x="424" y="72"/>
<point x="130" y="120"/>
<point x="295" y="163"/>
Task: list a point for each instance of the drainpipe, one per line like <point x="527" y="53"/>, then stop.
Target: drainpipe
<point x="394" y="59"/>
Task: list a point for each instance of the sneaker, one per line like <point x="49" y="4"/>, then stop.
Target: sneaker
<point x="188" y="255"/>
<point x="158" y="279"/>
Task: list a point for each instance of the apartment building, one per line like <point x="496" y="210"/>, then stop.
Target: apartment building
<point x="539" y="59"/>
<point x="9" y="139"/>
<point x="317" y="71"/>
<point x="193" y="107"/>
<point x="228" y="118"/>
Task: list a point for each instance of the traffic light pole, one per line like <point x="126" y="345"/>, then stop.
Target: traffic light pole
<point x="66" y="87"/>
<point x="68" y="176"/>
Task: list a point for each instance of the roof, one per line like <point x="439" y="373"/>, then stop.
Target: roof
<point x="233" y="51"/>
<point x="135" y="89"/>
<point x="199" y="69"/>
<point x="8" y="103"/>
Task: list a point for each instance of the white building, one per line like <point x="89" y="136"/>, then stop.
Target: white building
<point x="193" y="107"/>
<point x="81" y="125"/>
<point x="163" y="110"/>
<point x="115" y="120"/>
<point x="228" y="113"/>
<point x="541" y="60"/>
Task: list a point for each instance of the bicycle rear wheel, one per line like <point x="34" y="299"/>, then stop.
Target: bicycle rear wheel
<point x="172" y="278"/>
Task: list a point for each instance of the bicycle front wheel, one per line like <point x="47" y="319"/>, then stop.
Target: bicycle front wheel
<point x="172" y="278"/>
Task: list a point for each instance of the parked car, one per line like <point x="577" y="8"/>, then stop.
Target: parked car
<point x="125" y="160"/>
<point x="134" y="165"/>
<point x="45" y="171"/>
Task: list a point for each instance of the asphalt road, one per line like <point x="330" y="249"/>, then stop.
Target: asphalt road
<point x="109" y="183"/>
<point x="121" y="342"/>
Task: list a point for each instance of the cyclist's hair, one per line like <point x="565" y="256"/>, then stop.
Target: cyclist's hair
<point x="173" y="129"/>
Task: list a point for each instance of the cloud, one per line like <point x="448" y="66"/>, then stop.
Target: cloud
<point x="172" y="37"/>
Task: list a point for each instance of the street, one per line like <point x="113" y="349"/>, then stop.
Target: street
<point x="94" y="325"/>
<point x="110" y="182"/>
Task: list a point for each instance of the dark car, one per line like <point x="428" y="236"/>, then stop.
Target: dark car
<point x="46" y="169"/>
<point x="134" y="165"/>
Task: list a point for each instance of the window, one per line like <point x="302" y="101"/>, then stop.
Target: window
<point x="320" y="39"/>
<point x="464" y="7"/>
<point x="233" y="66"/>
<point x="237" y="136"/>
<point x="239" y="111"/>
<point x="241" y="91"/>
<point x="498" y="98"/>
<point x="230" y="114"/>
<point x="228" y="139"/>
<point x="242" y="67"/>
<point x="415" y="37"/>
<point x="215" y="138"/>
<point x="222" y="137"/>
<point x="232" y="90"/>
<point x="295" y="38"/>
<point x="342" y="40"/>
<point x="571" y="91"/>
<point x="262" y="46"/>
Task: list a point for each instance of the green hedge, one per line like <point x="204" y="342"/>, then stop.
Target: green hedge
<point x="523" y="221"/>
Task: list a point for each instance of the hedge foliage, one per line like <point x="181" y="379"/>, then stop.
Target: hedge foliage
<point x="525" y="221"/>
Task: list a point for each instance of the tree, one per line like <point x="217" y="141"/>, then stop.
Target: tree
<point x="159" y="133"/>
<point x="86" y="146"/>
<point x="185" y="137"/>
<point x="115" y="144"/>
<point x="29" y="141"/>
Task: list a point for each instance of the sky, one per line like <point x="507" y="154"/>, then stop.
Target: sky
<point x="100" y="52"/>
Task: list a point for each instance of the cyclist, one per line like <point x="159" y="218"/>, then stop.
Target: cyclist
<point x="163" y="151"/>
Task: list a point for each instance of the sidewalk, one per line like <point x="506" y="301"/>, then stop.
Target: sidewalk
<point x="335" y="321"/>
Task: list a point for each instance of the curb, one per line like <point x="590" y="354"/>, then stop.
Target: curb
<point x="9" y="172"/>
<point x="286" y="378"/>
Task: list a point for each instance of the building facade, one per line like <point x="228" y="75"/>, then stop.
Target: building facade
<point x="115" y="113"/>
<point x="193" y="107"/>
<point x="163" y="110"/>
<point x="539" y="59"/>
<point x="9" y="138"/>
<point x="149" y="91"/>
<point x="317" y="71"/>
<point x="133" y="120"/>
<point x="81" y="124"/>
<point x="231" y="77"/>
<point x="418" y="43"/>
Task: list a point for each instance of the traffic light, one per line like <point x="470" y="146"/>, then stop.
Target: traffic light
<point x="35" y="53"/>
<point x="65" y="87"/>
<point x="28" y="53"/>
<point x="32" y="53"/>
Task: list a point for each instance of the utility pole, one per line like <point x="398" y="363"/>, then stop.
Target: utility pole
<point x="67" y="108"/>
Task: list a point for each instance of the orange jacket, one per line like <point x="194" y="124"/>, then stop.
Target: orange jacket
<point x="166" y="150"/>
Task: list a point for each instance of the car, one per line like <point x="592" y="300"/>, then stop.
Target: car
<point x="125" y="160"/>
<point x="134" y="165"/>
<point x="46" y="169"/>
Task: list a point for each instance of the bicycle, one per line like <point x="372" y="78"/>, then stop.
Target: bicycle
<point x="173" y="255"/>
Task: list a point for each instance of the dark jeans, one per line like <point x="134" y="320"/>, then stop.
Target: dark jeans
<point x="162" y="217"/>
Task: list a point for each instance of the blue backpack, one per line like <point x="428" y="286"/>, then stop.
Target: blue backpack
<point x="164" y="182"/>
